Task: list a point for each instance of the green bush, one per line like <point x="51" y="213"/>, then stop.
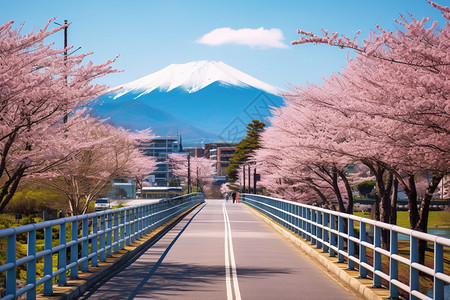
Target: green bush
<point x="33" y="199"/>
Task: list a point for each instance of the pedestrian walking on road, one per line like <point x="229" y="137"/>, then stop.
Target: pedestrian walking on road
<point x="233" y="195"/>
<point x="227" y="197"/>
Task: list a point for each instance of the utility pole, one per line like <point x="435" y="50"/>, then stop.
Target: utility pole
<point x="65" y="56"/>
<point x="197" y="181"/>
<point x="189" y="173"/>
<point x="65" y="59"/>
<point x="254" y="180"/>
<point x="65" y="39"/>
<point x="249" y="181"/>
<point x="243" y="178"/>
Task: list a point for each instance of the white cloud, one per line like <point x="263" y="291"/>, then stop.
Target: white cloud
<point x="259" y="38"/>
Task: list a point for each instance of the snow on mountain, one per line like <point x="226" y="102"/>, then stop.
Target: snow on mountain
<point x="192" y="77"/>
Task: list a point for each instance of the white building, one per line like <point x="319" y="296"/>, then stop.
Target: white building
<point x="160" y="147"/>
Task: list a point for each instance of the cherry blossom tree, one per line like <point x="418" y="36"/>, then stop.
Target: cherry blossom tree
<point x="392" y="105"/>
<point x="417" y="45"/>
<point x="296" y="151"/>
<point x="202" y="169"/>
<point x="38" y="87"/>
<point x="225" y="189"/>
<point x="113" y="153"/>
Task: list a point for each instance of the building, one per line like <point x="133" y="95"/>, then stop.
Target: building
<point x="160" y="147"/>
<point x="220" y="153"/>
<point x="160" y="192"/>
<point x="195" y="152"/>
<point x="223" y="159"/>
<point x="123" y="189"/>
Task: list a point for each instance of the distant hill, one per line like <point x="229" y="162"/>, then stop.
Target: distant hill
<point x="203" y="101"/>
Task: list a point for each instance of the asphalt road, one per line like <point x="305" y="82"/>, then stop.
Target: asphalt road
<point x="220" y="251"/>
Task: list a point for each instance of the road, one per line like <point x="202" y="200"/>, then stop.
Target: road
<point x="130" y="202"/>
<point x="220" y="251"/>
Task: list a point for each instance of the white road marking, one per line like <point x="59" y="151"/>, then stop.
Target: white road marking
<point x="230" y="271"/>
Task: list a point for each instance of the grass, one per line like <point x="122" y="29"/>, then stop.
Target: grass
<point x="437" y="219"/>
<point x="440" y="219"/>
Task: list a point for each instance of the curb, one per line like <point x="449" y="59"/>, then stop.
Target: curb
<point x="76" y="287"/>
<point x="350" y="278"/>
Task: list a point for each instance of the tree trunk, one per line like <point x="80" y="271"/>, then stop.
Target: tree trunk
<point x="321" y="196"/>
<point x="10" y="187"/>
<point x="394" y="199"/>
<point x="336" y="190"/>
<point x="349" y="192"/>
<point x="411" y="193"/>
<point x="385" y="211"/>
<point x="418" y="219"/>
<point x="422" y="224"/>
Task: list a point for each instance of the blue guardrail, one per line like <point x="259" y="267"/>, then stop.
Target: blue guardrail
<point x="92" y="238"/>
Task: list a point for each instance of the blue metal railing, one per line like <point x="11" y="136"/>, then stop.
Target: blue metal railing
<point x="102" y="233"/>
<point x="318" y="226"/>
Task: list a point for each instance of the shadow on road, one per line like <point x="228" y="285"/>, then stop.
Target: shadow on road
<point x="171" y="278"/>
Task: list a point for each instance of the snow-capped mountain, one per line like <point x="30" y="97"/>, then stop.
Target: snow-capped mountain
<point x="192" y="77"/>
<point x="202" y="100"/>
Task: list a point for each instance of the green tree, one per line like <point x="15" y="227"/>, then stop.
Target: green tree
<point x="245" y="148"/>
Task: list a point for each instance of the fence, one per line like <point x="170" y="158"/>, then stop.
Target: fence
<point x="102" y="233"/>
<point x="318" y="226"/>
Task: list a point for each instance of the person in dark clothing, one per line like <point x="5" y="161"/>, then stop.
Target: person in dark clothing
<point x="233" y="195"/>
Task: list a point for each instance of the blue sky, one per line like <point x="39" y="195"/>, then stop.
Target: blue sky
<point x="150" y="35"/>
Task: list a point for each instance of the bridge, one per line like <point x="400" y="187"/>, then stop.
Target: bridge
<point x="189" y="248"/>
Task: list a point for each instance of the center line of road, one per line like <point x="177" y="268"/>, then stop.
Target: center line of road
<point x="230" y="270"/>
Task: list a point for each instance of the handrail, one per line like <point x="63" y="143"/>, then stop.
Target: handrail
<point x="318" y="226"/>
<point x="97" y="235"/>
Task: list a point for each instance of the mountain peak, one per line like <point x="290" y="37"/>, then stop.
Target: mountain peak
<point x="192" y="77"/>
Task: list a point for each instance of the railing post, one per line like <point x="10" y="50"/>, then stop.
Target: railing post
<point x="102" y="238"/>
<point x="291" y="210"/>
<point x="319" y="229"/>
<point x="116" y="232"/>
<point x="109" y="235"/>
<point x="128" y="227"/>
<point x="133" y="225"/>
<point x="313" y="227"/>
<point x="122" y="229"/>
<point x="376" y="256"/>
<point x="145" y="218"/>
<point x="350" y="245"/>
<point x="141" y="222"/>
<point x="11" y="259"/>
<point x="308" y="224"/>
<point x="332" y="235"/>
<point x="362" y="249"/>
<point x="340" y="238"/>
<point x="62" y="254"/>
<point x="154" y="218"/>
<point x="393" y="266"/>
<point x="287" y="217"/>
<point x="438" y="290"/>
<point x="413" y="272"/>
<point x="325" y="231"/>
<point x="94" y="241"/>
<point x="85" y="245"/>
<point x="48" y="261"/>
<point x="74" y="250"/>
<point x="280" y="214"/>
<point x="31" y="266"/>
<point x="137" y="226"/>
